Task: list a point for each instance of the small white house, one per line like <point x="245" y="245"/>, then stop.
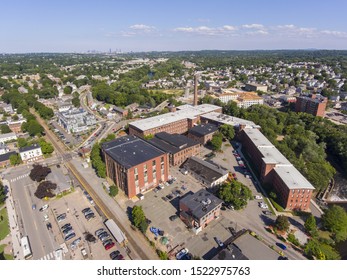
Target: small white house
<point x="31" y="153"/>
<point x="7" y="137"/>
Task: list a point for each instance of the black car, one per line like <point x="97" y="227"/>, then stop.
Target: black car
<point x="65" y="226"/>
<point x="86" y="210"/>
<point x="164" y="198"/>
<point x="70" y="236"/>
<point x="49" y="226"/>
<point x="67" y="230"/>
<point x="169" y="196"/>
<point x="173" y="217"/>
<point x="90" y="216"/>
<point x="114" y="255"/>
<point x="61" y="217"/>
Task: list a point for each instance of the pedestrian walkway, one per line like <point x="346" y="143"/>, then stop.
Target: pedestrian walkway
<point x="19" y="177"/>
<point x="49" y="256"/>
<point x="13" y="222"/>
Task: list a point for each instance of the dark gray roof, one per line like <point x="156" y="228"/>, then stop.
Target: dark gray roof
<point x="130" y="151"/>
<point x="172" y="143"/>
<point x="201" y="203"/>
<point x="207" y="171"/>
<point x="203" y="129"/>
<point x="29" y="148"/>
<point x="4" y="157"/>
<point x="231" y="252"/>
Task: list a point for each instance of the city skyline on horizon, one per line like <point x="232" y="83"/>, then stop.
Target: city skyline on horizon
<point x="64" y="27"/>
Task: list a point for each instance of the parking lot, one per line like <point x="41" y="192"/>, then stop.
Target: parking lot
<point x="160" y="204"/>
<point x="72" y="205"/>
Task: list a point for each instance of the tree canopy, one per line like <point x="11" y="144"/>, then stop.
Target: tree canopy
<point x="335" y="221"/>
<point x="282" y="223"/>
<point x="45" y="189"/>
<point x="236" y="193"/>
<point x="39" y="172"/>
<point x="139" y="218"/>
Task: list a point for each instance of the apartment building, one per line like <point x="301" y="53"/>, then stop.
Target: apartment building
<point x="313" y="104"/>
<point x="292" y="188"/>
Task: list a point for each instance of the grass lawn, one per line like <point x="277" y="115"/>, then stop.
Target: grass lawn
<point x="4" y="229"/>
<point x="6" y="257"/>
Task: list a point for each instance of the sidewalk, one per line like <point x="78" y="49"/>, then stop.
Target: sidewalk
<point x="13" y="223"/>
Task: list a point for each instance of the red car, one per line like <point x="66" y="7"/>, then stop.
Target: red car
<point x="108" y="246"/>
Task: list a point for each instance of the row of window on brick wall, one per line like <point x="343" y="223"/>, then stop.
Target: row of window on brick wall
<point x="297" y="205"/>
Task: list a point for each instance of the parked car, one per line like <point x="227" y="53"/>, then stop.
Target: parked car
<point x="109" y="246"/>
<point x="267" y="212"/>
<point x="181" y="253"/>
<point x="43" y="208"/>
<point x="49" y="226"/>
<point x="68" y="237"/>
<point x="164" y="198"/>
<point x="61" y="217"/>
<point x="99" y="231"/>
<point x="173" y="217"/>
<point x="258" y="197"/>
<point x="114" y="255"/>
<point x="263" y="205"/>
<point x="120" y="257"/>
<point x="86" y="210"/>
<point x="67" y="230"/>
<point x="90" y="216"/>
<point x="65" y="226"/>
<point x="33" y="206"/>
<point x="169" y="196"/>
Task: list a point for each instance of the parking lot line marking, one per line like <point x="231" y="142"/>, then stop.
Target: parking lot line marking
<point x="51" y="255"/>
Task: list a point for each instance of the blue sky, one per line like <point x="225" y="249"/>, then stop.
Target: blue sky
<point x="130" y="25"/>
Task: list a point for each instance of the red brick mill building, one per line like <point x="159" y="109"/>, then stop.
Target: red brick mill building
<point x="134" y="165"/>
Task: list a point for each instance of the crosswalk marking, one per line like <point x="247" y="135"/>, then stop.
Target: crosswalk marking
<point x="19" y="177"/>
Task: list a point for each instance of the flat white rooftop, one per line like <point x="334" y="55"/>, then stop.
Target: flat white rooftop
<point x="226" y="119"/>
<point x="285" y="170"/>
<point x="184" y="112"/>
<point x="293" y="178"/>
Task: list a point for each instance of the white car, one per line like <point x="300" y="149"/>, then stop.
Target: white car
<point x="258" y="197"/>
<point x="263" y="205"/>
<point x="44" y="207"/>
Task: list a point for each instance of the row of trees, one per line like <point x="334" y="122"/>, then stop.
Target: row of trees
<point x="97" y="162"/>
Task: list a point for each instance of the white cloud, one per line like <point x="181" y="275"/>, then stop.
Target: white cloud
<point x="209" y="31"/>
<point x="253" y="26"/>
<point x="230" y="27"/>
<point x="142" y="27"/>
<point x="335" y="33"/>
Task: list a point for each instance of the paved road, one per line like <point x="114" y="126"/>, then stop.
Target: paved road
<point x="31" y="222"/>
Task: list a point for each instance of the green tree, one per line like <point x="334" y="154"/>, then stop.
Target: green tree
<point x="15" y="159"/>
<point x="162" y="255"/>
<point x="113" y="190"/>
<point x="22" y="142"/>
<point x="4" y="128"/>
<point x="310" y="224"/>
<point x="34" y="128"/>
<point x="282" y="223"/>
<point x="2" y="193"/>
<point x="76" y="100"/>
<point x="67" y="90"/>
<point x="236" y="193"/>
<point x="47" y="148"/>
<point x="97" y="161"/>
<point x="139" y="219"/>
<point x="216" y="141"/>
<point x="227" y="131"/>
<point x="320" y="251"/>
<point x="335" y="221"/>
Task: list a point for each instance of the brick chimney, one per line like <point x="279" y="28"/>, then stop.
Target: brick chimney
<point x="195" y="103"/>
